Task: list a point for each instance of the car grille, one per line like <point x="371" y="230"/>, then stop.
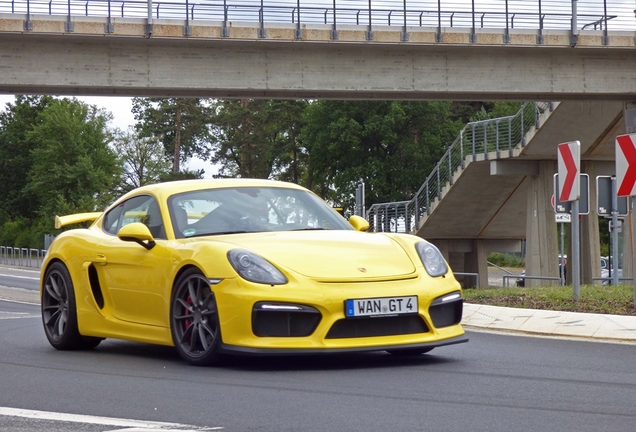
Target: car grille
<point x="378" y="326"/>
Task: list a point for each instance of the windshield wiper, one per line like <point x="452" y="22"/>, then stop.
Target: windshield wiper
<point x="216" y="233"/>
<point x="230" y="232"/>
<point x="308" y="229"/>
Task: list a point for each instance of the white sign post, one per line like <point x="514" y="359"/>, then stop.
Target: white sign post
<point x="569" y="163"/>
<point x="626" y="181"/>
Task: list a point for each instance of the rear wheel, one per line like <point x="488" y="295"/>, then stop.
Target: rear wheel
<point x="409" y="351"/>
<point x="194" y="320"/>
<point x="59" y="314"/>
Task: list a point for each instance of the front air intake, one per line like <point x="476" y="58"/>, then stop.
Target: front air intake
<point x="284" y="320"/>
<point x="378" y="326"/>
<point x="447" y="310"/>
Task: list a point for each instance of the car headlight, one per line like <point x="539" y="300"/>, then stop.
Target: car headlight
<point x="432" y="259"/>
<point x="255" y="268"/>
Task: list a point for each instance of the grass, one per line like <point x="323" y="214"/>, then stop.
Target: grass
<point x="613" y="299"/>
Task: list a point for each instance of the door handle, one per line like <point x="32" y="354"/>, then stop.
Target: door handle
<point x="101" y="259"/>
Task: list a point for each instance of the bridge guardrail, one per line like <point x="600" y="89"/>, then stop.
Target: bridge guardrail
<point x="22" y="257"/>
<point x="540" y="15"/>
<point x="477" y="139"/>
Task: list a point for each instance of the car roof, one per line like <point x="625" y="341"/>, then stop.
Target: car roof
<point x="167" y="189"/>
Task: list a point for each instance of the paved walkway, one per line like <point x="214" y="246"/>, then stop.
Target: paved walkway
<point x="609" y="328"/>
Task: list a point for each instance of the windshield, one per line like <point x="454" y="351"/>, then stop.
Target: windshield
<point x="250" y="209"/>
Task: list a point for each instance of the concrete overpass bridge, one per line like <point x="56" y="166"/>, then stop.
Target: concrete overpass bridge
<point x="493" y="188"/>
<point x="581" y="53"/>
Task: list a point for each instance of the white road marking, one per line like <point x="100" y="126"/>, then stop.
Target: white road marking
<point x="20" y="277"/>
<point x="17" y="315"/>
<point x="19" y="302"/>
<point x="129" y="424"/>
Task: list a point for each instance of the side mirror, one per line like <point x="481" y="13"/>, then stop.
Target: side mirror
<point x="138" y="233"/>
<point x="359" y="223"/>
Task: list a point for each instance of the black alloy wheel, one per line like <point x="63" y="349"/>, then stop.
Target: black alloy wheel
<point x="194" y="320"/>
<point x="59" y="314"/>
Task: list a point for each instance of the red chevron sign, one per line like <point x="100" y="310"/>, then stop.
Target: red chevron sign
<point x="569" y="161"/>
<point x="626" y="165"/>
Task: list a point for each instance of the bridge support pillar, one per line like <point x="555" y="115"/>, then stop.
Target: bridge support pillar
<point x="628" y="246"/>
<point x="471" y="256"/>
<point x="590" y="237"/>
<point x="541" y="234"/>
<point x="476" y="261"/>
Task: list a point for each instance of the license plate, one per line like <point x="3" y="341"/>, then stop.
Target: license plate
<point x="383" y="306"/>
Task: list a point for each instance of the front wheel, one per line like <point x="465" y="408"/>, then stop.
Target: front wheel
<point x="59" y="314"/>
<point x="194" y="320"/>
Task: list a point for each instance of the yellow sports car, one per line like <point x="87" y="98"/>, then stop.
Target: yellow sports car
<point x="241" y="266"/>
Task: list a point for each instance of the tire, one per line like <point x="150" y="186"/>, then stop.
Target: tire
<point x="194" y="320"/>
<point x="409" y="352"/>
<point x="59" y="312"/>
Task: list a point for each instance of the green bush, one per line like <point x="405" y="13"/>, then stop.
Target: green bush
<point x="506" y="260"/>
<point x="25" y="234"/>
<point x="9" y="233"/>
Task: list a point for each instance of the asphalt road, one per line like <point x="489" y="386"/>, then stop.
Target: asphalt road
<point x="494" y="383"/>
<point x="19" y="277"/>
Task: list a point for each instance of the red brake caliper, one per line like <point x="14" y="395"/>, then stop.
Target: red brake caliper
<point x="187" y="322"/>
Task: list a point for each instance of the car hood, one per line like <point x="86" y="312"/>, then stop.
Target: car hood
<point x="332" y="255"/>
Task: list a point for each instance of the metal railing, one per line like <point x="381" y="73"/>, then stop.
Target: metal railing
<point x="580" y="15"/>
<point x="22" y="257"/>
<point x="506" y="279"/>
<point x="609" y="280"/>
<point x="477" y="140"/>
<point x="471" y="275"/>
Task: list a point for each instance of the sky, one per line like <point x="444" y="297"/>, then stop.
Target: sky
<point x="121" y="108"/>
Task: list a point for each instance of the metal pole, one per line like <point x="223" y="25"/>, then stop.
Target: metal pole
<point x="363" y="211"/>
<point x="68" y="25"/>
<point x="405" y="34"/>
<point x="334" y="30"/>
<point x="187" y="30"/>
<point x="605" y="35"/>
<point x="149" y="20"/>
<point x="299" y="32"/>
<point x="576" y="273"/>
<point x="506" y="38"/>
<point x="261" y="17"/>
<point x="438" y="36"/>
<point x="370" y="30"/>
<point x="562" y="266"/>
<point x="574" y="36"/>
<point x="632" y="199"/>
<point x="540" y="38"/>
<point x="614" y="257"/>
<point x="473" y="33"/>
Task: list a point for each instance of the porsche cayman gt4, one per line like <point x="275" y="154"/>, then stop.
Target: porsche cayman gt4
<point x="252" y="267"/>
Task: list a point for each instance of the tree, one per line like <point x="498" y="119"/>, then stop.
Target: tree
<point x="15" y="155"/>
<point x="74" y="169"/>
<point x="143" y="159"/>
<point x="495" y="110"/>
<point x="180" y="124"/>
<point x="55" y="159"/>
<point x="392" y="146"/>
<point x="258" y="138"/>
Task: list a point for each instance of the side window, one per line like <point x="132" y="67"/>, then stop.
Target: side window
<point x="143" y="208"/>
<point x="111" y="220"/>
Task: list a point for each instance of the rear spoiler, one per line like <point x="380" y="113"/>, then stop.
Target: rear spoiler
<point x="61" y="221"/>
